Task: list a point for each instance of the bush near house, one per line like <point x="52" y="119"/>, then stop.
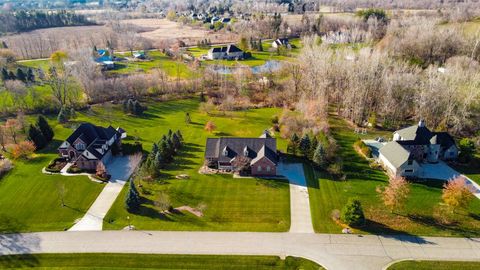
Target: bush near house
<point x="56" y="165"/>
<point x="361" y="147"/>
<point x="352" y="213"/>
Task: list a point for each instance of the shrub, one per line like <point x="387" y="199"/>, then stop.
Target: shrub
<point x="363" y="148"/>
<point x="352" y="213"/>
<point x="56" y="165"/>
<point x="23" y="149"/>
<point x="132" y="199"/>
<point x="467" y="149"/>
<point x="129" y="148"/>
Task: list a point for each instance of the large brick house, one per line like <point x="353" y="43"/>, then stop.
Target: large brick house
<point x="259" y="154"/>
<point x="90" y="145"/>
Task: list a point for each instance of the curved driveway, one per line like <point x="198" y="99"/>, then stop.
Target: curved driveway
<point x="331" y="251"/>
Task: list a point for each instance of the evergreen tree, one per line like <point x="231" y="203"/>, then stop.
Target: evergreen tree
<point x="180" y="136"/>
<point x="293" y="144"/>
<point x="352" y="213"/>
<point x="4" y="45"/>
<point x="21" y="75"/>
<point x="30" y="75"/>
<point x="170" y="133"/>
<point x="130" y="105"/>
<point x="171" y="149"/>
<point x="137" y="108"/>
<point x="158" y="163"/>
<point x="304" y="145"/>
<point x="62" y="115"/>
<point x="5" y="75"/>
<point x="11" y="75"/>
<point x="176" y="142"/>
<point x="319" y="156"/>
<point x="132" y="199"/>
<point x="260" y="45"/>
<point x="163" y="150"/>
<point x="45" y="128"/>
<point x="313" y="146"/>
<point x="36" y="136"/>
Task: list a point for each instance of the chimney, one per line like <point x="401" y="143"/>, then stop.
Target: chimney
<point x="421" y="123"/>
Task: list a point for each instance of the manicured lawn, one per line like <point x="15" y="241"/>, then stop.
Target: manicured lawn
<point x="30" y="200"/>
<point x="159" y="60"/>
<point x="418" y="216"/>
<point x="150" y="261"/>
<point x="227" y="203"/>
<point x="435" y="265"/>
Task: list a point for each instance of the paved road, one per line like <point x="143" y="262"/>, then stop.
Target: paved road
<point x="300" y="215"/>
<point x="332" y="251"/>
<point x="120" y="169"/>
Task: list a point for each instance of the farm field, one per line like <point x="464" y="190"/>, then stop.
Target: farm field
<point x="418" y="216"/>
<point x="150" y="261"/>
<point x="227" y="203"/>
<point x="435" y="265"/>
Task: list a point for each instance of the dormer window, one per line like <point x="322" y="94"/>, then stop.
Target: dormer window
<point x="80" y="146"/>
<point x="225" y="152"/>
<point x="245" y="151"/>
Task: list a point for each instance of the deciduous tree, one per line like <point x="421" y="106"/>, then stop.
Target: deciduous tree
<point x="456" y="194"/>
<point x="395" y="193"/>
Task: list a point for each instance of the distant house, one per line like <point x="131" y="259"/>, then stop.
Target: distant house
<point x="139" y="55"/>
<point x="281" y="42"/>
<point x="260" y="154"/>
<point x="413" y="146"/>
<point x="104" y="58"/>
<point x="90" y="145"/>
<point x="229" y="52"/>
<point x="214" y="19"/>
<point x="225" y="20"/>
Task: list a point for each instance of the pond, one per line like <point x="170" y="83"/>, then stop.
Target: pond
<point x="269" y="66"/>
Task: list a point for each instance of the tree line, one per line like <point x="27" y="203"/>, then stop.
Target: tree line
<point x="23" y="21"/>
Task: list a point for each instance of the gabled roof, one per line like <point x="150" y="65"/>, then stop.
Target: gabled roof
<point x="416" y="133"/>
<point x="233" y="48"/>
<point x="257" y="148"/>
<point x="395" y="153"/>
<point x="90" y="133"/>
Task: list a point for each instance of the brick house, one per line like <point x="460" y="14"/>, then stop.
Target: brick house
<point x="259" y="154"/>
<point x="90" y="145"/>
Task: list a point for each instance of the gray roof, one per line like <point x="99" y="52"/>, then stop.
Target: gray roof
<point x="421" y="135"/>
<point x="395" y="153"/>
<point x="257" y="148"/>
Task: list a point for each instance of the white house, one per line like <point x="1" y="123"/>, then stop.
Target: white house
<point x="413" y="146"/>
<point x="279" y="42"/>
<point x="229" y="52"/>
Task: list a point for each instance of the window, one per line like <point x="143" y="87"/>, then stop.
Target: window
<point x="409" y="171"/>
<point x="259" y="168"/>
<point x="80" y="146"/>
<point x="410" y="162"/>
<point x="268" y="168"/>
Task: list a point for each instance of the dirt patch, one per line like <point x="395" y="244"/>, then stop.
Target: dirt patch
<point x="194" y="211"/>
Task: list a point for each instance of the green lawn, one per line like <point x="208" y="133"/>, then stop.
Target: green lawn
<point x="228" y="203"/>
<point x="418" y="216"/>
<point x="150" y="261"/>
<point x="257" y="59"/>
<point x="158" y="60"/>
<point x="435" y="265"/>
<point x="30" y="200"/>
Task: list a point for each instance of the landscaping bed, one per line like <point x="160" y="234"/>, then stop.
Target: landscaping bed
<point x="56" y="165"/>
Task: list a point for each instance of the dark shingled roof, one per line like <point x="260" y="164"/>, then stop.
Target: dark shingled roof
<point x="88" y="133"/>
<point x="257" y="148"/>
<point x="420" y="135"/>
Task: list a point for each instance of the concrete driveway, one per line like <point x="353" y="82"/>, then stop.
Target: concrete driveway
<point x="300" y="215"/>
<point x="120" y="168"/>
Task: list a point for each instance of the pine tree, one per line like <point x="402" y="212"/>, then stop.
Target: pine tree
<point x="176" y="142"/>
<point x="293" y="144"/>
<point x="180" y="136"/>
<point x="11" y="75"/>
<point x="170" y="133"/>
<point x="171" y="149"/>
<point x="62" y="115"/>
<point x="137" y="108"/>
<point x="132" y="199"/>
<point x="260" y="46"/>
<point x="164" y="151"/>
<point x="319" y="156"/>
<point x="304" y="145"/>
<point x="30" y="75"/>
<point x="36" y="136"/>
<point x="21" y="75"/>
<point x="5" y="75"/>
<point x="313" y="146"/>
<point x="45" y="128"/>
<point x="154" y="151"/>
<point x="130" y="106"/>
<point x="352" y="213"/>
<point x="158" y="163"/>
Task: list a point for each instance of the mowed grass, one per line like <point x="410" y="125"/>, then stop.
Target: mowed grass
<point x="150" y="261"/>
<point x="31" y="200"/>
<point x="257" y="59"/>
<point x="435" y="265"/>
<point x="228" y="204"/>
<point x="416" y="218"/>
<point x="157" y="60"/>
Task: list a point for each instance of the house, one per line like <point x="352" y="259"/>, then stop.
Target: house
<point x="139" y="55"/>
<point x="229" y="52"/>
<point x="90" y="145"/>
<point x="413" y="146"/>
<point x="104" y="58"/>
<point x="228" y="153"/>
<point x="281" y="42"/>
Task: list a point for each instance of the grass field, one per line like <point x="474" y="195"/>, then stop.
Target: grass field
<point x="30" y="200"/>
<point x="435" y="265"/>
<point x="149" y="261"/>
<point x="416" y="218"/>
<point x="228" y="203"/>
